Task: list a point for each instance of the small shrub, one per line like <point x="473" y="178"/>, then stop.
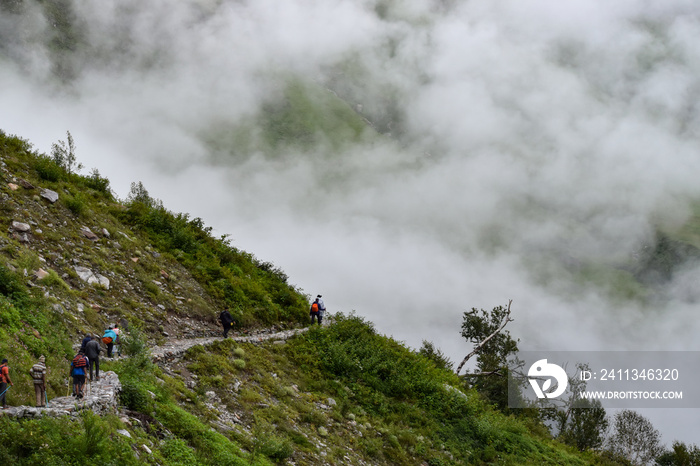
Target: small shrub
<point x="239" y="352"/>
<point x="53" y="280"/>
<point x="239" y="364"/>
<point x="314" y="417"/>
<point x="275" y="448"/>
<point x="177" y="452"/>
<point x="134" y="396"/>
<point x="75" y="204"/>
<point x="97" y="182"/>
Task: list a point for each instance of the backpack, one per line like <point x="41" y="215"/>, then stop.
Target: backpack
<point x="79" y="361"/>
<point x="314" y="308"/>
<point x="106" y="340"/>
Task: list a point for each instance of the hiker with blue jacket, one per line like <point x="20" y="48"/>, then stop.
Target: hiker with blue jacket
<point x="77" y="370"/>
<point x="108" y="339"/>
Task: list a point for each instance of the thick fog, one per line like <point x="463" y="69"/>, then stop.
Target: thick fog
<point x="520" y="142"/>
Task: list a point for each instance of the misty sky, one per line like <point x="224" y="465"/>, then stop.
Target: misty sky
<point x="519" y="138"/>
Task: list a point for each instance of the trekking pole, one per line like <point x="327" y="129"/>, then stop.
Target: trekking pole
<point x="10" y="386"/>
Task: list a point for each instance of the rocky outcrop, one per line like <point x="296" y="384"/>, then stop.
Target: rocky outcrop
<point x="91" y="277"/>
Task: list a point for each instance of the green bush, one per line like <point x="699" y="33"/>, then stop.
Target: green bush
<point x="239" y="364"/>
<point x="134" y="396"/>
<point x="48" y="170"/>
<point x="178" y="453"/>
<point x="75" y="204"/>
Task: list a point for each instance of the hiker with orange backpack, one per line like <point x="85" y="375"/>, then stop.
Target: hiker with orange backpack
<point x="318" y="309"/>
<point x="321" y="309"/>
<point x="108" y="339"/>
<point x="78" y="367"/>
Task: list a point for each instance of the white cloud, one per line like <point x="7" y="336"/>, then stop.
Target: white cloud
<point x="531" y="134"/>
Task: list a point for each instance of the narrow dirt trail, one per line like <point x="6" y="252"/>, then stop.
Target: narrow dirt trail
<point x="176" y="347"/>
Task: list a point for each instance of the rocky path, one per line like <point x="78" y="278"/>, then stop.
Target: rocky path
<point x="101" y="396"/>
<point x="175" y="348"/>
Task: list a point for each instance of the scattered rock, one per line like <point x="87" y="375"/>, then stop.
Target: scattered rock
<point x="125" y="433"/>
<point x="26" y="184"/>
<point x="86" y="232"/>
<point x="91" y="277"/>
<point x="41" y="274"/>
<point x="105" y="233"/>
<point x="51" y="196"/>
<point x="12" y="186"/>
<point x="21" y="227"/>
<point x="146" y="449"/>
<point x="21" y="237"/>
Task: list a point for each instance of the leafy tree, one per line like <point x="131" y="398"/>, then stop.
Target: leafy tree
<point x="494" y="349"/>
<point x="586" y="425"/>
<point x="575" y="421"/>
<point x="63" y="153"/>
<point x="434" y="354"/>
<point x="634" y="438"/>
<point x="680" y="455"/>
<point x="139" y="194"/>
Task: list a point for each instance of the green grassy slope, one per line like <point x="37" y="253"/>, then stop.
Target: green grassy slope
<point x="337" y="395"/>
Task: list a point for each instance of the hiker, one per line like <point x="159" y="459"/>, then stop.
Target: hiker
<point x="92" y="351"/>
<point x="321" y="308"/>
<point x="117" y="345"/>
<point x="38" y="373"/>
<point x="226" y="320"/>
<point x="315" y="311"/>
<point x="87" y="338"/>
<point x="78" y="366"/>
<point x="4" y="380"/>
<point x="108" y="339"/>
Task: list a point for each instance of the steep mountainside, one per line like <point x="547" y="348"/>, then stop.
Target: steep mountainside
<point x="74" y="259"/>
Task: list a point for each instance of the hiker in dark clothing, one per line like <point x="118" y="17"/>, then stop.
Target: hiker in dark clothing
<point x="87" y="338"/>
<point x="4" y="380"/>
<point x="317" y="311"/>
<point x="92" y="351"/>
<point x="226" y="320"/>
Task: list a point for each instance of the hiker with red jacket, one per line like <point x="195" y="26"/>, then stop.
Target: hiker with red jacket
<point x="78" y="367"/>
<point x="4" y="380"/>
